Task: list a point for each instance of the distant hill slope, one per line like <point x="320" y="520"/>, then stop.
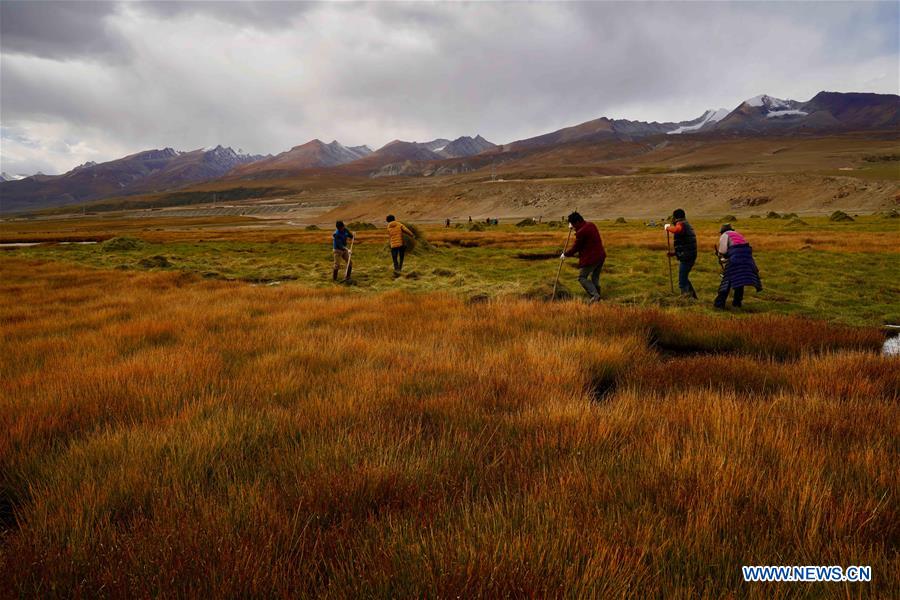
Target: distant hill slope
<point x="311" y="155"/>
<point x="143" y="172"/>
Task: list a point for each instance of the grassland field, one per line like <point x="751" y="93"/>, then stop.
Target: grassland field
<point x="838" y="271"/>
<point x="193" y="408"/>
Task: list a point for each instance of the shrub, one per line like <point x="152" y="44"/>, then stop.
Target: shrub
<point x="312" y="228"/>
<point x="772" y="215"/>
<point x="526" y="223"/>
<point x="621" y="220"/>
<point x="839" y="216"/>
<point x="892" y="214"/>
<point x="476" y="227"/>
<point x="728" y="219"/>
<point x="790" y="216"/>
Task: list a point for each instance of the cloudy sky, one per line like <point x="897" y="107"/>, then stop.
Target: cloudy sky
<point x="86" y="81"/>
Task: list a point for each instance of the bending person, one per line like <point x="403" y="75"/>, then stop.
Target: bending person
<point x="739" y="268"/>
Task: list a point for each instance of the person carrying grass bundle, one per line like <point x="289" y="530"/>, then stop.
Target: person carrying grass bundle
<point x="339" y="245"/>
<point x="591" y="255"/>
<point x="396" y="229"/>
<point x="738" y="267"/>
<point x="685" y="250"/>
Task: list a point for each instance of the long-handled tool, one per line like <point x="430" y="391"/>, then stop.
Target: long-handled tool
<point x="349" y="260"/>
<point x="669" y="255"/>
<point x="561" y="258"/>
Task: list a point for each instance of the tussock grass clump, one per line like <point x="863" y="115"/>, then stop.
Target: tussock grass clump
<point x="772" y="215"/>
<point x="312" y="227"/>
<point x="728" y="219"/>
<point x="195" y="437"/>
<point x="476" y="227"/>
<point x="840" y="216"/>
<point x="621" y="220"/>
<point x="122" y="244"/>
<point x="527" y="223"/>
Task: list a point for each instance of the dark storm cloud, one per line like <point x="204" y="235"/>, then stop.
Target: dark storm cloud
<point x="89" y="81"/>
<point x="259" y="15"/>
<point x="60" y="30"/>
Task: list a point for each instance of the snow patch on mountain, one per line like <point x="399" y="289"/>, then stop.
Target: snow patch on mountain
<point x="710" y="116"/>
<point x="785" y="113"/>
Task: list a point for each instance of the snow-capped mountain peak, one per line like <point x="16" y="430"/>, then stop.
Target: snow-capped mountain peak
<point x="769" y="102"/>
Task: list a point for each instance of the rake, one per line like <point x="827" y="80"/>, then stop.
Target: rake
<point x="669" y="256"/>
<point x="561" y="259"/>
<point x="349" y="260"/>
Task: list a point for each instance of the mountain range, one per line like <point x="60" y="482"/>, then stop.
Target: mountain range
<point x="168" y="169"/>
<point x="142" y="172"/>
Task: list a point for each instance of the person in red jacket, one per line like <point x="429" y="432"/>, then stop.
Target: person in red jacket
<point x="591" y="254"/>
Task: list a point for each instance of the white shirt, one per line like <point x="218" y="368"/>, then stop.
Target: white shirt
<point x="724" y="243"/>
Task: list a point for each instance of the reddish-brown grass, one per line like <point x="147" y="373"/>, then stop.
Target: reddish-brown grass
<point x="164" y="435"/>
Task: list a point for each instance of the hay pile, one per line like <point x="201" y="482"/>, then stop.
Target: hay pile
<point x="121" y="244"/>
<point x="155" y="262"/>
<point x="544" y="291"/>
<point x="361" y="226"/>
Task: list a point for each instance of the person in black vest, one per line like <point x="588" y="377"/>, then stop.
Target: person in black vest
<point x="685" y="250"/>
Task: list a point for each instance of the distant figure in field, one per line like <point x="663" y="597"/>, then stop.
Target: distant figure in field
<point x="396" y="229"/>
<point x="339" y="245"/>
<point x="591" y="255"/>
<point x="739" y="268"/>
<point x="470" y="219"/>
<point x="447" y="223"/>
<point x="685" y="250"/>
